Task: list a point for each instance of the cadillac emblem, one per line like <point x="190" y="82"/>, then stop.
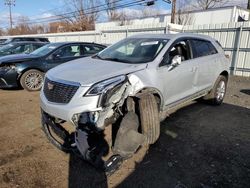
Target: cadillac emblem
<point x="50" y="86"/>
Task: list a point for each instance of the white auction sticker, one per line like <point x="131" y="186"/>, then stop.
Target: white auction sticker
<point x="149" y="43"/>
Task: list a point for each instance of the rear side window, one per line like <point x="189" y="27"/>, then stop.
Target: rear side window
<point x="202" y="48"/>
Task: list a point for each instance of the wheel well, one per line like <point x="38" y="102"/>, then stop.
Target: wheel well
<point x="25" y="70"/>
<point x="225" y="73"/>
<point x="155" y="92"/>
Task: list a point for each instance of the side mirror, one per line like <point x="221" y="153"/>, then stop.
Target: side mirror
<point x="175" y="62"/>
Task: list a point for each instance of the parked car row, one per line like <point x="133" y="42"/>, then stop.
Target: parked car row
<point x="24" y="63"/>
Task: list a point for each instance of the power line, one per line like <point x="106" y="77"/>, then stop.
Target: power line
<point x="61" y="16"/>
<point x="69" y="13"/>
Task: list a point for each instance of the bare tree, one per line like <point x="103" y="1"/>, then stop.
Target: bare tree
<point x="207" y="4"/>
<point x="113" y="14"/>
<point x="83" y="14"/>
<point x="184" y="17"/>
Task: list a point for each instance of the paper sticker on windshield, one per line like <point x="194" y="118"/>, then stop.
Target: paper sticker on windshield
<point x="149" y="43"/>
<point x="52" y="47"/>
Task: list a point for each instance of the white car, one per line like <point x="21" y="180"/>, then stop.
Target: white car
<point x="138" y="81"/>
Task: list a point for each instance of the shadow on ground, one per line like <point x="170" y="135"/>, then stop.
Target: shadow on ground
<point x="211" y="150"/>
<point x="246" y="91"/>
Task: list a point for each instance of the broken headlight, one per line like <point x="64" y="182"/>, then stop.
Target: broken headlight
<point x="106" y="88"/>
<point x="7" y="67"/>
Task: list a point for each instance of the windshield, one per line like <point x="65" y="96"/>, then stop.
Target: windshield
<point x="45" y="49"/>
<point x="134" y="50"/>
<point x="6" y="47"/>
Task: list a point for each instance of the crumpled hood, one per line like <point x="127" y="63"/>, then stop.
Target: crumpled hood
<point x="88" y="71"/>
<point x="17" y="58"/>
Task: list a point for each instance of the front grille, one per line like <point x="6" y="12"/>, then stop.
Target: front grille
<point x="58" y="92"/>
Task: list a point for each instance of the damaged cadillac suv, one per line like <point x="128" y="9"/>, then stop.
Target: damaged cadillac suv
<point x="132" y="86"/>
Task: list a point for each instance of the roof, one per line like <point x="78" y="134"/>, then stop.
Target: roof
<point x="68" y="42"/>
<point x="172" y="36"/>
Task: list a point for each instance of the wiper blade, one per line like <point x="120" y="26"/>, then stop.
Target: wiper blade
<point x="96" y="56"/>
<point x="117" y="60"/>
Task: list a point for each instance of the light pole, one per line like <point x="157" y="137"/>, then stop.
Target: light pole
<point x="10" y="3"/>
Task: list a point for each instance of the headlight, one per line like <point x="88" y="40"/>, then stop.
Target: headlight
<point x="105" y="85"/>
<point x="7" y="67"/>
<point x="106" y="89"/>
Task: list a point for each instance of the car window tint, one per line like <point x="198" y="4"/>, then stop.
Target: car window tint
<point x="69" y="51"/>
<point x="179" y="49"/>
<point x="18" y="49"/>
<point x="203" y="48"/>
<point x="27" y="49"/>
<point x="36" y="46"/>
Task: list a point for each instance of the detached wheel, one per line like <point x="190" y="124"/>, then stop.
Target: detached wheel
<point x="32" y="80"/>
<point x="149" y="116"/>
<point x="217" y="94"/>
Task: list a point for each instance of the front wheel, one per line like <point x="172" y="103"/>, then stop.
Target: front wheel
<point x="32" y="80"/>
<point x="149" y="117"/>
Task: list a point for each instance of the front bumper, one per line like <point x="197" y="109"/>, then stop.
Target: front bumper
<point x="78" y="105"/>
<point x="8" y="78"/>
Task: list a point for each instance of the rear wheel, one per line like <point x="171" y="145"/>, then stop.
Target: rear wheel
<point x="32" y="80"/>
<point x="217" y="94"/>
<point x="149" y="116"/>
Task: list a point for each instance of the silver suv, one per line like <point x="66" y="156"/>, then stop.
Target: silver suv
<point x="132" y="85"/>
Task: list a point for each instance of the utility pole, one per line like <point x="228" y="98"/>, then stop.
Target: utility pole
<point x="10" y="3"/>
<point x="248" y="5"/>
<point x="173" y="11"/>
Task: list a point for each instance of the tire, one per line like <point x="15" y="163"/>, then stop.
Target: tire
<point x="32" y="80"/>
<point x="217" y="94"/>
<point x="149" y="118"/>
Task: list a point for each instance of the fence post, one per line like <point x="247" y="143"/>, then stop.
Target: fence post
<point x="238" y="42"/>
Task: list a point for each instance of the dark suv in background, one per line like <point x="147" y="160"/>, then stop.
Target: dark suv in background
<point x="20" y="39"/>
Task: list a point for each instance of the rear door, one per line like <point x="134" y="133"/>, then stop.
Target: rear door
<point x="205" y="55"/>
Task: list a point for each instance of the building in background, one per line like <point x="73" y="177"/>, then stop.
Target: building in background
<point x="197" y="17"/>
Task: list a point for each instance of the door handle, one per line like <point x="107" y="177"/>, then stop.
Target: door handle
<point x="193" y="69"/>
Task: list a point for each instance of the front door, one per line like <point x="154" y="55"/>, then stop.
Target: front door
<point x="180" y="81"/>
<point x="64" y="54"/>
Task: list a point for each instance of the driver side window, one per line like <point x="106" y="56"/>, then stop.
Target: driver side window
<point x="68" y="51"/>
<point x="179" y="49"/>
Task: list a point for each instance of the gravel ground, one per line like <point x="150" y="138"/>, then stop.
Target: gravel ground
<point x="200" y="146"/>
